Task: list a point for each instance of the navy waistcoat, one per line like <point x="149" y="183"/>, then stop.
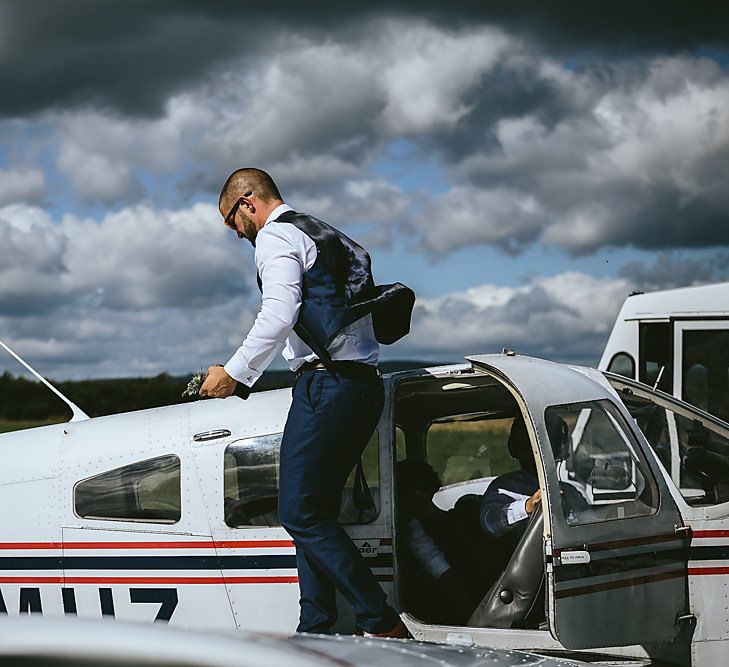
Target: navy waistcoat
<point x="339" y="289"/>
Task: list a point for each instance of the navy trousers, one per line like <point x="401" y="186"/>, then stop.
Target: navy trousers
<point x="328" y="426"/>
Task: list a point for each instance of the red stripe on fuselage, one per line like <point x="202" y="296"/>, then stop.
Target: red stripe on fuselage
<point x="701" y="571"/>
<point x="620" y="583"/>
<point x="704" y="534"/>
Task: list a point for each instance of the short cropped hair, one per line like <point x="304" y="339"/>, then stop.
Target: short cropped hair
<point x="248" y="181"/>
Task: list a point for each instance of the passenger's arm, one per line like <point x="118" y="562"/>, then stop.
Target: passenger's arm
<point x="502" y="509"/>
<point x="426" y="552"/>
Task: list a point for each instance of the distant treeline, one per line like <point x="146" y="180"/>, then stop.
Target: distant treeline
<point x="27" y="400"/>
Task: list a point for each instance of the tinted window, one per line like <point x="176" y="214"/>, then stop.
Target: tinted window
<point x="603" y="473"/>
<point x="622" y="364"/>
<point x="705" y="370"/>
<point x="250" y="484"/>
<point x="656" y="355"/>
<point x="466" y="447"/>
<point x="146" y="491"/>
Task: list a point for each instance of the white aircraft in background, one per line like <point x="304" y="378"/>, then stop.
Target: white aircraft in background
<point x="170" y="515"/>
<point x="678" y="341"/>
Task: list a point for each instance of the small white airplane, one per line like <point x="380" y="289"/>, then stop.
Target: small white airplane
<point x="169" y="514"/>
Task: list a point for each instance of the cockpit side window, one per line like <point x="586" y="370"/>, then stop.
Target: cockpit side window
<point x="602" y="472"/>
<point x="250" y="484"/>
<point x="147" y="491"/>
<point x="468" y="447"/>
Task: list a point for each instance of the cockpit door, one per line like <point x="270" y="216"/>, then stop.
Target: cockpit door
<point x="615" y="547"/>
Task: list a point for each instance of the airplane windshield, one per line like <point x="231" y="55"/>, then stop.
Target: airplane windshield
<point x="601" y="469"/>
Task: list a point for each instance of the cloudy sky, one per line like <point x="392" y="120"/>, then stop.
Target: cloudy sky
<point x="523" y="166"/>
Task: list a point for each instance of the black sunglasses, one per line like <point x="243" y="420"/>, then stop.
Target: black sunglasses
<point x="230" y="218"/>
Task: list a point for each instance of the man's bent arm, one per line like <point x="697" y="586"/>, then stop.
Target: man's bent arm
<point x="501" y="510"/>
<point x="280" y="267"/>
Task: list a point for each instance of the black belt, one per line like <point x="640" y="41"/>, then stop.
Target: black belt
<point x="355" y="370"/>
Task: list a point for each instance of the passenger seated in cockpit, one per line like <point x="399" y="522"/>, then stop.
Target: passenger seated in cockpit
<point x="512" y="497"/>
<point x="433" y="590"/>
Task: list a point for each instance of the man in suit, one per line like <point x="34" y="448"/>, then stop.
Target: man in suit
<point x="512" y="497"/>
<point x="321" y="303"/>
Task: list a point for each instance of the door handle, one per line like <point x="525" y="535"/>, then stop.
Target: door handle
<point x="574" y="557"/>
<point x="211" y="435"/>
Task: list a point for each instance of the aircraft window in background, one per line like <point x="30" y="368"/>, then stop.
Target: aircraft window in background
<point x="250" y="484"/>
<point x="623" y="364"/>
<point x="604" y="475"/>
<point x="692" y="451"/>
<point x="705" y="367"/>
<point x="147" y="491"/>
<point x="655" y="343"/>
<point x="466" y="447"/>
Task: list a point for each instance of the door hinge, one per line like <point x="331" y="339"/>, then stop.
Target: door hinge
<point x="548" y="558"/>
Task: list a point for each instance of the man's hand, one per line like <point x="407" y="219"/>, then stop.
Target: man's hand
<point x="218" y="384"/>
<point x="532" y="503"/>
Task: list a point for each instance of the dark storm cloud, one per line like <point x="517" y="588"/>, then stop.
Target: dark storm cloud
<point x="673" y="269"/>
<point x="131" y="56"/>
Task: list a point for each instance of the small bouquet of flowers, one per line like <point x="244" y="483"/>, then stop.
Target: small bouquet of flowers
<point x="193" y="386"/>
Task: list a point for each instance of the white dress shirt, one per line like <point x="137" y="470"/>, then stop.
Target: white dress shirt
<point x="428" y="555"/>
<point x="517" y="510"/>
<point x="283" y="253"/>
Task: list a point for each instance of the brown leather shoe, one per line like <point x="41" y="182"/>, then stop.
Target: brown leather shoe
<point x="398" y="632"/>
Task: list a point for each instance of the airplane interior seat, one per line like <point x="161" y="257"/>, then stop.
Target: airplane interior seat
<point x="479" y="558"/>
<point x="514" y="599"/>
<point x="711" y="469"/>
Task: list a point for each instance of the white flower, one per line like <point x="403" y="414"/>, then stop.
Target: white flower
<point x="193" y="386"/>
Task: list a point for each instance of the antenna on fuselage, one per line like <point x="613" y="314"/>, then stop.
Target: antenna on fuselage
<point x="78" y="414"/>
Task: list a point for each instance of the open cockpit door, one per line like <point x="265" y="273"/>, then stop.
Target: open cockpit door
<point x="614" y="543"/>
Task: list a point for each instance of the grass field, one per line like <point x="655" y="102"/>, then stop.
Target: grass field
<point x="461" y="451"/>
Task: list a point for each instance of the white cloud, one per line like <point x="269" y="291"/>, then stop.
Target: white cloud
<point x="138" y="258"/>
<point x="21" y="185"/>
<point x="139" y="292"/>
<point x="373" y="202"/>
<point x="636" y="159"/>
<point x="430" y="71"/>
<point x="466" y="215"/>
<point x="312" y="112"/>
<point x="566" y="317"/>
